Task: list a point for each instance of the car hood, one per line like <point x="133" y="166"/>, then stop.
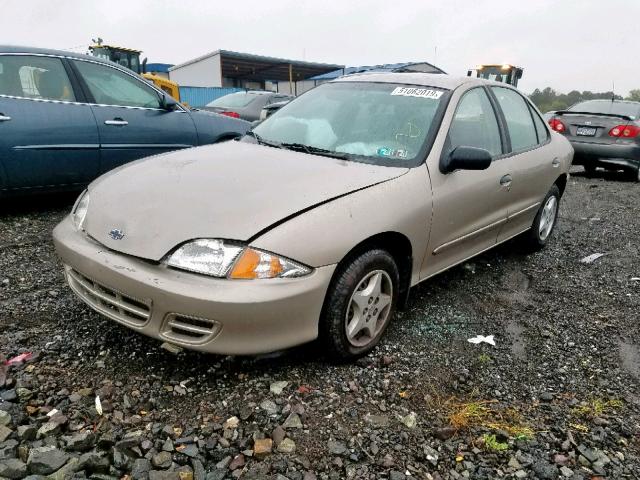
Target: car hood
<point x="231" y="190"/>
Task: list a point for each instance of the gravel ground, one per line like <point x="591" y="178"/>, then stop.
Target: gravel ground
<point x="556" y="397"/>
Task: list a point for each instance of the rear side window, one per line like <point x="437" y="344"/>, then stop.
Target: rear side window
<point x="474" y="124"/>
<point x="541" y="129"/>
<point x="34" y="77"/>
<point x="110" y="86"/>
<point x="519" y="121"/>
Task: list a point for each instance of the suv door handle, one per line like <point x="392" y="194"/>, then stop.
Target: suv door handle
<point x="505" y="181"/>
<point x="4" y="118"/>
<point x="118" y="122"/>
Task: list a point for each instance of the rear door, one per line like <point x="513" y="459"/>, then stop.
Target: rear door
<point x="131" y="122"/>
<point x="530" y="163"/>
<point x="469" y="206"/>
<point x="48" y="137"/>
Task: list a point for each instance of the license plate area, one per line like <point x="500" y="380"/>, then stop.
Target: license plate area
<point x="586" y="131"/>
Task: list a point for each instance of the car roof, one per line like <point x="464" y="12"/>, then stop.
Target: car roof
<point x="59" y="53"/>
<point x="437" y="80"/>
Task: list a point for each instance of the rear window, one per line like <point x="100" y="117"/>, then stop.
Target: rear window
<point x="606" y="106"/>
<point x="234" y="100"/>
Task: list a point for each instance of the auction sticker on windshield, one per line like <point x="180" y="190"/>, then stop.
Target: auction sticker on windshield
<point x="417" y="92"/>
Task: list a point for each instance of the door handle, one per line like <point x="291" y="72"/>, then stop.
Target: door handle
<point x="555" y="163"/>
<point x="118" y="122"/>
<point x="4" y="118"/>
<point x="505" y="181"/>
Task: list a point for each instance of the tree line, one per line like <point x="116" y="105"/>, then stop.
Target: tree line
<point x="550" y="100"/>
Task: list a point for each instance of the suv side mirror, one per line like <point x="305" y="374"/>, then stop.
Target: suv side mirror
<point x="168" y="103"/>
<point x="466" y="158"/>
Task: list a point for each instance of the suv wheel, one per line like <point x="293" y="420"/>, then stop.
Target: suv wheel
<point x="360" y="302"/>
<point x="545" y="221"/>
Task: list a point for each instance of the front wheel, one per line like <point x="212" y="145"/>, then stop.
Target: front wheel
<point x="360" y="302"/>
<point x="538" y="236"/>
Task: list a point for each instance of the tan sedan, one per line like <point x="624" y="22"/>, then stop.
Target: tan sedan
<point x="317" y="223"/>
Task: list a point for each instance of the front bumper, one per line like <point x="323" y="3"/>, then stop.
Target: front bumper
<point x="615" y="154"/>
<point x="231" y="317"/>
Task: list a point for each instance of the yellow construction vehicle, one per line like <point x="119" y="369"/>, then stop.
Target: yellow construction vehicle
<point x="130" y="58"/>
<point x="505" y="73"/>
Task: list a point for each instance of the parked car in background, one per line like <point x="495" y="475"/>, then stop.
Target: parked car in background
<point x="319" y="221"/>
<point x="604" y="133"/>
<point x="67" y="118"/>
<point x="271" y="108"/>
<point x="245" y="105"/>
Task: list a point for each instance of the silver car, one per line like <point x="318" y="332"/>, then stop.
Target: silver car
<point x="317" y="223"/>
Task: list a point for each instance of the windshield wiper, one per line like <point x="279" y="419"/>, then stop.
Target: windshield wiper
<point x="262" y="141"/>
<point x="314" y="150"/>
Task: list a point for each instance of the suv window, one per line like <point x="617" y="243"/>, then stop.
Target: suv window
<point x="110" y="86"/>
<point x="34" y="77"/>
<point x="518" y="116"/>
<point x="474" y="124"/>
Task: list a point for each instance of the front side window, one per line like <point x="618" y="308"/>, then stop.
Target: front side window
<point x="110" y="86"/>
<point x="34" y="77"/>
<point x="474" y="124"/>
<point x="518" y="117"/>
<point x="382" y="123"/>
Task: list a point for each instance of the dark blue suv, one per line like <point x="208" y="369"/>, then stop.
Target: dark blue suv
<point x="67" y="118"/>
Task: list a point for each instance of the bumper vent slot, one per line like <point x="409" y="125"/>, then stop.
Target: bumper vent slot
<point x="185" y="329"/>
<point x="109" y="302"/>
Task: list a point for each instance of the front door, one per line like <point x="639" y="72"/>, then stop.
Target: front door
<point x="47" y="138"/>
<point x="469" y="207"/>
<point x="131" y="120"/>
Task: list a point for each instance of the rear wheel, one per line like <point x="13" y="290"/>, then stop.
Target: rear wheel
<point x="359" y="305"/>
<point x="538" y="236"/>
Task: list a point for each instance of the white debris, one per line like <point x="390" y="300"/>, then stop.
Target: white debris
<point x="410" y="420"/>
<point x="480" y="339"/>
<point x="592" y="258"/>
<point x="277" y="387"/>
<point x="98" y="405"/>
<point x="635" y="279"/>
<point x="52" y="412"/>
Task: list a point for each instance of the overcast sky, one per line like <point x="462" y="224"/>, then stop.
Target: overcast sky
<point x="565" y="44"/>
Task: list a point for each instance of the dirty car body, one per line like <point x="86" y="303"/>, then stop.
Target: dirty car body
<point x="318" y="222"/>
<point x="67" y="118"/>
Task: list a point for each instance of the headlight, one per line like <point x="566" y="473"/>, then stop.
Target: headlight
<point x="222" y="259"/>
<point x="80" y="210"/>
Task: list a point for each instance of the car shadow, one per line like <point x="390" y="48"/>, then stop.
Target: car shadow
<point x="36" y="203"/>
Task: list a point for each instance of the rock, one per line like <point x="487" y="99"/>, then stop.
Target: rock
<point x="269" y="406"/>
<point x="4" y="433"/>
<point x="430" y="454"/>
<point x="163" y="475"/>
<point x="131" y="439"/>
<point x="46" y="460"/>
<point x="560" y="459"/>
<point x="66" y="471"/>
<point x="217" y="474"/>
<point x="80" y="441"/>
<point x="336" y="447"/>
<point x="5" y="418"/>
<point x="292" y="421"/>
<point x="514" y="463"/>
<point x="287" y="446"/>
<point x="140" y="469"/>
<point x="566" y="472"/>
<point x="190" y="450"/>
<point x="545" y="470"/>
<point x="237" y="462"/>
<point x="95" y="461"/>
<point x="444" y="433"/>
<point x="232" y="423"/>
<point x="199" y="472"/>
<point x="379" y="421"/>
<point x="587" y="453"/>
<point x="410" y="420"/>
<point x="278" y="435"/>
<point x="162" y="460"/>
<point x="49" y="428"/>
<point x="396" y="475"/>
<point x="167" y="446"/>
<point x="13" y="468"/>
<point x="546" y="396"/>
<point x="27" y="432"/>
<point x="262" y="447"/>
<point x="277" y="387"/>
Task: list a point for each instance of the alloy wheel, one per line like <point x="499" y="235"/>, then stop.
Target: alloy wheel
<point x="548" y="217"/>
<point x="369" y="308"/>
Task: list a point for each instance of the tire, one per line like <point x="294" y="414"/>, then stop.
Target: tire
<point x="540" y="232"/>
<point x="343" y="305"/>
<point x="633" y="174"/>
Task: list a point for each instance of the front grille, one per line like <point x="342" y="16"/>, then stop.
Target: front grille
<point x="115" y="305"/>
<point x="189" y="329"/>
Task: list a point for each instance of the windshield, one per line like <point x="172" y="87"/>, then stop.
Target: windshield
<point x="234" y="100"/>
<point x="383" y="122"/>
<point x="606" y="106"/>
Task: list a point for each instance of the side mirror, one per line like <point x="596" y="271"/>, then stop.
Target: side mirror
<point x="466" y="158"/>
<point x="168" y="103"/>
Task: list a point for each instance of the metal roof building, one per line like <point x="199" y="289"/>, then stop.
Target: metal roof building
<point x="225" y="68"/>
<point x="422" y="67"/>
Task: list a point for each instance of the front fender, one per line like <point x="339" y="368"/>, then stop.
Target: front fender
<point x="325" y="234"/>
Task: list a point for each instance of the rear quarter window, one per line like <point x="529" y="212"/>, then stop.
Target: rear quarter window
<point x="522" y="130"/>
